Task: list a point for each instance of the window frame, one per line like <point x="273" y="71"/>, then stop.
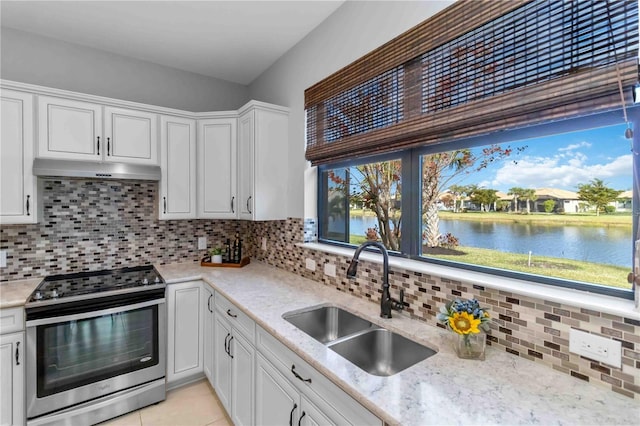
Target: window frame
<point x="411" y="216"/>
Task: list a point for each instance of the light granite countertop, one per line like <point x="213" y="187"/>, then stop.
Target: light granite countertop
<point x="443" y="389"/>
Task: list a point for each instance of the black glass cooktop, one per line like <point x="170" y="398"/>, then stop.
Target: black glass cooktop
<point x="58" y="287"/>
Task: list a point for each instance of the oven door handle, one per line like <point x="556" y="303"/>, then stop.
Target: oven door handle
<point x="93" y="314"/>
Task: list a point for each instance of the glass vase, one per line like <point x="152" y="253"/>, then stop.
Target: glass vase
<point x="470" y="346"/>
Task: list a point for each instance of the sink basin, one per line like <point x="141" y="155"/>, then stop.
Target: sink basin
<point x="381" y="352"/>
<point x="327" y="323"/>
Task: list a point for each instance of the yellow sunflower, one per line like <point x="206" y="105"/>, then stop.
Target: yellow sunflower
<point x="464" y="323"/>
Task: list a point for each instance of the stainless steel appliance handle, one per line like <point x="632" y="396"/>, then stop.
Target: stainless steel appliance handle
<point x="92" y="314"/>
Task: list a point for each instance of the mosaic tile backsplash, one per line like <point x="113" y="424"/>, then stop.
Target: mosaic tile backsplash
<point x="92" y="225"/>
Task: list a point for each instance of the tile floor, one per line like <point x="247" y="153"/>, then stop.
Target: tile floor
<point x="195" y="404"/>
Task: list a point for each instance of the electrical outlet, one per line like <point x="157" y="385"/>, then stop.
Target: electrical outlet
<point x="310" y="264"/>
<point x="596" y="347"/>
<point x="3" y="258"/>
<point x="330" y="269"/>
<point x="264" y="243"/>
<point x="202" y="243"/>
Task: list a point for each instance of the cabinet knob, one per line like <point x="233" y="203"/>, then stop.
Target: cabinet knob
<point x="300" y="419"/>
<point x="164" y="202"/>
<point x="299" y="377"/>
<point x="108" y="146"/>
<point x="28" y="205"/>
<point x="98" y="144"/>
<point x="248" y="203"/>
<point x="230" y="314"/>
<point x="232" y="200"/>
<point x="17" y="353"/>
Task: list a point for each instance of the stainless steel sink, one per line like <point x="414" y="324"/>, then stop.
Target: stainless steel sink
<point x="376" y="350"/>
<point x="327" y="323"/>
<point x="381" y="352"/>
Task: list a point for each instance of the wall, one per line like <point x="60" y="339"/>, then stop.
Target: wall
<point x="90" y="225"/>
<point x="353" y="30"/>
<point x="531" y="328"/>
<point x="30" y="58"/>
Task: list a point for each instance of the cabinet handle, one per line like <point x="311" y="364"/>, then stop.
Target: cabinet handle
<point x="225" y="343"/>
<point x="230" y="314"/>
<point x="291" y="414"/>
<point x="98" y="145"/>
<point x="249" y="208"/>
<point x="17" y="353"/>
<point x="164" y="200"/>
<point x="299" y="377"/>
<point x="232" y="200"/>
<point x="108" y="146"/>
<point x="230" y="347"/>
<point x="28" y="205"/>
<point x="209" y="303"/>
<point x="300" y="419"/>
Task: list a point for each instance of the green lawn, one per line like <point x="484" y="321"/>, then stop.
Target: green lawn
<point x="588" y="219"/>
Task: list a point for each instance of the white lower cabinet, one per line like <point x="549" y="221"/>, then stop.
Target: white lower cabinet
<point x="12" y="394"/>
<point x="185" y="334"/>
<point x="290" y="391"/>
<point x="234" y="360"/>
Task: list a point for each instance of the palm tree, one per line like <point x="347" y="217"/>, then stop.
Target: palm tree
<point x="516" y="192"/>
<point x="529" y="195"/>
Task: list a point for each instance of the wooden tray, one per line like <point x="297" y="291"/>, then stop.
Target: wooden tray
<point x="243" y="262"/>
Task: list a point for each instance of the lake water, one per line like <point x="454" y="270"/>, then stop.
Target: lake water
<point x="610" y="245"/>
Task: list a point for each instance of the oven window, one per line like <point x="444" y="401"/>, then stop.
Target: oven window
<point x="77" y="353"/>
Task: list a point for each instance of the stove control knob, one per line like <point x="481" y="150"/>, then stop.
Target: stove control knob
<point x="54" y="293"/>
<point x="37" y="296"/>
<point x="157" y="280"/>
<point x="145" y="281"/>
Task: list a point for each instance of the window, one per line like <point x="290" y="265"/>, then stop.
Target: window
<point x="554" y="208"/>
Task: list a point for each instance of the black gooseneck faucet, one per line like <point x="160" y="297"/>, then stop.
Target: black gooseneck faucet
<point x="387" y="303"/>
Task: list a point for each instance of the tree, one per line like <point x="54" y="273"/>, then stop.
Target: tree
<point x="457" y="191"/>
<point x="516" y="192"/>
<point x="549" y="205"/>
<point x="484" y="197"/>
<point x="597" y="194"/>
<point x="529" y="195"/>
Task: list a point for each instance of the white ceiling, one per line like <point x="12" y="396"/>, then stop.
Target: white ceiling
<point x="231" y="40"/>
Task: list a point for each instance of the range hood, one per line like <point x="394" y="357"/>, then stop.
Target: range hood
<point x="94" y="169"/>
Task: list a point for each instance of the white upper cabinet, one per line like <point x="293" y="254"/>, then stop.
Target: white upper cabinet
<point x="131" y="136"/>
<point x="263" y="154"/>
<point x="73" y="130"/>
<point x="17" y="184"/>
<point x="217" y="168"/>
<point x="70" y="129"/>
<point x="178" y="153"/>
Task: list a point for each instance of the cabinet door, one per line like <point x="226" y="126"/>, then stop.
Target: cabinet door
<point x="178" y="154"/>
<point x="131" y="136"/>
<point x="69" y="129"/>
<point x="12" y="396"/>
<point x="209" y="331"/>
<point x="246" y="139"/>
<point x="222" y="362"/>
<point x="277" y="401"/>
<point x="17" y="184"/>
<point x="270" y="147"/>
<point x="217" y="169"/>
<point x="185" y="331"/>
<point x="242" y="380"/>
<point x="310" y="415"/>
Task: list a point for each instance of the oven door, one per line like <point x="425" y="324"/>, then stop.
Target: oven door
<point x="87" y="353"/>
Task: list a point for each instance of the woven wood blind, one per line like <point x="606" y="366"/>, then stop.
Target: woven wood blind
<point x="475" y="68"/>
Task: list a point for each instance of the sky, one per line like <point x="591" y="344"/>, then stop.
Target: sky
<point x="562" y="161"/>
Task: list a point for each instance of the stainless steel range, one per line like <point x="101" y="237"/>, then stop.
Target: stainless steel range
<point x="96" y="345"/>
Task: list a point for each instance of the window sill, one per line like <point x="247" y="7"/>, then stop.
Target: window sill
<point x="578" y="298"/>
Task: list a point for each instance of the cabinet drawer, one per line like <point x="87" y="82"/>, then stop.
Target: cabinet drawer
<point x="11" y="320"/>
<point x="322" y="391"/>
<point x="238" y="319"/>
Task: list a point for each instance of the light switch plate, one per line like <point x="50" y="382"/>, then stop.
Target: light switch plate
<point x="264" y="243"/>
<point x="596" y="347"/>
<point x="330" y="269"/>
<point x="310" y="264"/>
<point x="202" y="243"/>
<point x="3" y="258"/>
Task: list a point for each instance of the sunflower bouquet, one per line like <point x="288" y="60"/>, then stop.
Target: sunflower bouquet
<point x="466" y="318"/>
